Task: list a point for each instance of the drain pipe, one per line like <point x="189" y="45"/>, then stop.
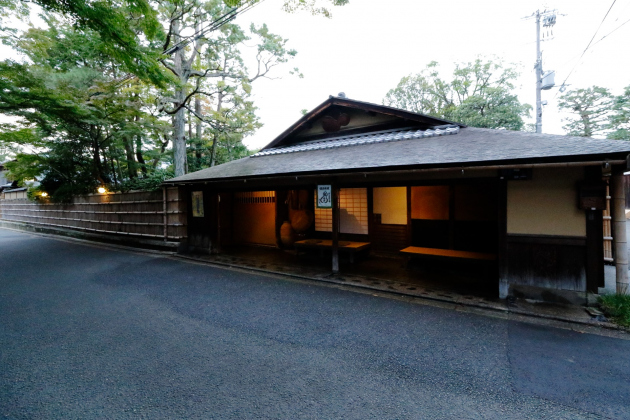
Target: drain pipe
<point x="620" y="241"/>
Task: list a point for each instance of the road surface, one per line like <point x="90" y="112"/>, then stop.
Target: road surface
<point x="91" y="332"/>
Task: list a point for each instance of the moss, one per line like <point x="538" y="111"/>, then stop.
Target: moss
<point x="617" y="308"/>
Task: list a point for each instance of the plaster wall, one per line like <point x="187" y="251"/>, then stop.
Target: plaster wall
<point x="546" y="204"/>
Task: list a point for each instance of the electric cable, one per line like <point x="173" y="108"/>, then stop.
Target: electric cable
<point x="588" y="46"/>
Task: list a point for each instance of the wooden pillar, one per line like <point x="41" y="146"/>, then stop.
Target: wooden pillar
<point x="217" y="248"/>
<point x="165" y="211"/>
<point x="594" y="238"/>
<point x="620" y="242"/>
<point x="451" y="216"/>
<point x="335" y="228"/>
<point x="502" y="246"/>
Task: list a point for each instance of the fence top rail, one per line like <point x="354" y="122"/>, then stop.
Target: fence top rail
<point x="94" y="204"/>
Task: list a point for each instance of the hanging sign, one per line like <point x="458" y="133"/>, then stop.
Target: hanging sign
<point x="324" y="197"/>
<point x="197" y="203"/>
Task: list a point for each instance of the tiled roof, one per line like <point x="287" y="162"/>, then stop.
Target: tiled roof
<point x="471" y="146"/>
<point x="361" y="139"/>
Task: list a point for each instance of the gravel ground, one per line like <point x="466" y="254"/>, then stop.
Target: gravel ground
<point x="90" y="332"/>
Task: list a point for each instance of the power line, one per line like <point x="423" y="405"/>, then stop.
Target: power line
<point x="602" y="38"/>
<point x="212" y="26"/>
<point x="588" y="46"/>
<point x="576" y="57"/>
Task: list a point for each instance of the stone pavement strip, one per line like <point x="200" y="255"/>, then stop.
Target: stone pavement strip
<point x="552" y="311"/>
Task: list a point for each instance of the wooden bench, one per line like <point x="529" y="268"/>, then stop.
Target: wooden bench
<point x="448" y="253"/>
<point x="349" y="247"/>
<point x="486" y="259"/>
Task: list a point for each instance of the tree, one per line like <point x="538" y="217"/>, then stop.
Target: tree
<point x="479" y="94"/>
<point x="619" y="120"/>
<point x="121" y="26"/>
<point x="216" y="52"/>
<point x="589" y="109"/>
<point x="74" y="118"/>
<point x="105" y="89"/>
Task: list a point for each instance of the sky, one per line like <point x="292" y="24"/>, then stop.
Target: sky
<point x="369" y="45"/>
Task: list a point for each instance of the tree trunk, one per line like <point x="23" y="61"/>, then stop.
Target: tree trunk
<point x="214" y="149"/>
<point x="179" y="118"/>
<point x="139" y="157"/>
<point x="198" y="112"/>
<point x="214" y="140"/>
<point x="179" y="141"/>
<point x="96" y="155"/>
<point x="131" y="162"/>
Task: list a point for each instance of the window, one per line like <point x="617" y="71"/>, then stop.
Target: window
<point x="353" y="213"/>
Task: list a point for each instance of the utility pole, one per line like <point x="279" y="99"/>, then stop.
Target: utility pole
<point x="549" y="19"/>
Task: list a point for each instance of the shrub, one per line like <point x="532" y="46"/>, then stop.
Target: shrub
<point x="617" y="308"/>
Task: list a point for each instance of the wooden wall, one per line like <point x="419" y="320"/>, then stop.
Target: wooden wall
<point x="388" y="238"/>
<point x="550" y="262"/>
<point x="138" y="214"/>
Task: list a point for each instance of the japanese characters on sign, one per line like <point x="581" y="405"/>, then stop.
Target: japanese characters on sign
<point x="324" y="197"/>
<point x="197" y="203"/>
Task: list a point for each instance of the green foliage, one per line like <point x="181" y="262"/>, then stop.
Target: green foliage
<point x="117" y="23"/>
<point x="72" y="119"/>
<point x="90" y="104"/>
<point x="590" y="109"/>
<point x="478" y="94"/>
<point x="619" y="121"/>
<point x="617" y="308"/>
<point x="313" y="6"/>
<point x="152" y="182"/>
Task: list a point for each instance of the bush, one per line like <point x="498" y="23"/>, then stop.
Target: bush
<point x="151" y="182"/>
<point x="617" y="308"/>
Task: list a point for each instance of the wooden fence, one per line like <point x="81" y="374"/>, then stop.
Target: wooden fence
<point x="139" y="214"/>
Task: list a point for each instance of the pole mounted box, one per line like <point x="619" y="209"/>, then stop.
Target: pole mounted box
<point x="548" y="80"/>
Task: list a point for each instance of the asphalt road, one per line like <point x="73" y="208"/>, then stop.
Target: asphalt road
<point x="89" y="332"/>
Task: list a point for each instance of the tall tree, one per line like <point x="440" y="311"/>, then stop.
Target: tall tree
<point x="184" y="15"/>
<point x="77" y="117"/>
<point x="589" y="110"/>
<point x="619" y="119"/>
<point x="478" y="93"/>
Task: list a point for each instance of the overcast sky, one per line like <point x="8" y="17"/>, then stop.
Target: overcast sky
<point x="368" y="45"/>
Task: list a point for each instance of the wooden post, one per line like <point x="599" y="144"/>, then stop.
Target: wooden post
<point x="218" y="245"/>
<point x="594" y="238"/>
<point x="620" y="242"/>
<point x="335" y="228"/>
<point x="165" y="209"/>
<point x="502" y="246"/>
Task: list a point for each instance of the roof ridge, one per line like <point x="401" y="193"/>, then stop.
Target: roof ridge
<point x="364" y="138"/>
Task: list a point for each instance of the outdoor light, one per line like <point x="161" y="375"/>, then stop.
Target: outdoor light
<point x="101" y="190"/>
<point x="44" y="194"/>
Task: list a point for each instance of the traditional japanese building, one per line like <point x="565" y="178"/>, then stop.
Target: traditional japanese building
<point x="357" y="178"/>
